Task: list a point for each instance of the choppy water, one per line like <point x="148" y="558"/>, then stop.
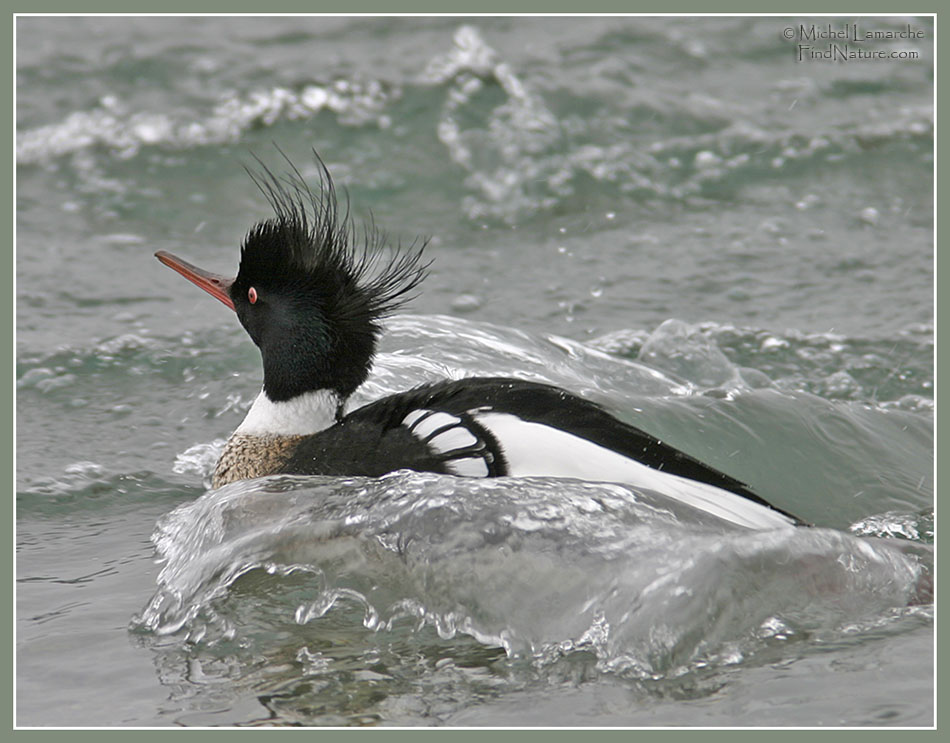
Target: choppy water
<point x="671" y="216"/>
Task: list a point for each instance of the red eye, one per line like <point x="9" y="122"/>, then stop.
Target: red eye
<point x="252" y="295"/>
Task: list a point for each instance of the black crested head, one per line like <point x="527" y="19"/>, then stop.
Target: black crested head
<point x="309" y="298"/>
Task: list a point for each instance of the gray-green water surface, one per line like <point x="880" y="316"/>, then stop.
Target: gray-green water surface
<point x="728" y="247"/>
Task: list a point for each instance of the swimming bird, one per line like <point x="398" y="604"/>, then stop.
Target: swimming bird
<point x="312" y="300"/>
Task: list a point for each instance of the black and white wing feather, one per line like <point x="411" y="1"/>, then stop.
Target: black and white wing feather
<point x="463" y="445"/>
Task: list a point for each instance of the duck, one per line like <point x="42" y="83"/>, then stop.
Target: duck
<point x="312" y="292"/>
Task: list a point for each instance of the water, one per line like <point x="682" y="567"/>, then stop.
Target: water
<point x="670" y="216"/>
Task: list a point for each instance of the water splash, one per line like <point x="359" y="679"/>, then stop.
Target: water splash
<point x="890" y="373"/>
<point x="505" y="157"/>
<point x="124" y="131"/>
<point x="541" y="568"/>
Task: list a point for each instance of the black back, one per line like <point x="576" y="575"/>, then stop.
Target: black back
<point x="372" y="441"/>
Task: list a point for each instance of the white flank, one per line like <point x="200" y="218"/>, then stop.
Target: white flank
<point x="304" y="414"/>
<point x="533" y="449"/>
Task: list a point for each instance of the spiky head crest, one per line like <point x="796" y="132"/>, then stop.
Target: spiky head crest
<point x="309" y="298"/>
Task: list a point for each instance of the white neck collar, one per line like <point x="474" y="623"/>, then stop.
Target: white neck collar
<point x="305" y="414"/>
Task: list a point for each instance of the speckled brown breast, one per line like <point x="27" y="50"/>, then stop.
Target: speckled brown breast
<point x="246" y="456"/>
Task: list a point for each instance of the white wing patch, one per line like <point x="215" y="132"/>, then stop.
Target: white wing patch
<point x="443" y="432"/>
<point x="447" y="436"/>
<point x="410" y="420"/>
<point x="534" y="449"/>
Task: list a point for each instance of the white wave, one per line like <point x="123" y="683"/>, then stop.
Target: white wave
<point x="538" y="566"/>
